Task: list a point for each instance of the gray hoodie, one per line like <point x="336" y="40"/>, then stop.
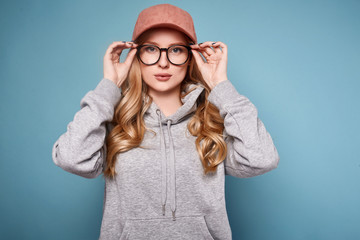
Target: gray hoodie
<point x="160" y="191"/>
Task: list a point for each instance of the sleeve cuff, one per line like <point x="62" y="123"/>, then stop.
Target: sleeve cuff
<point x="108" y="90"/>
<point x="223" y="93"/>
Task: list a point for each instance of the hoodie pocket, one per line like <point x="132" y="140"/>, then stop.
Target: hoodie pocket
<point x="183" y="228"/>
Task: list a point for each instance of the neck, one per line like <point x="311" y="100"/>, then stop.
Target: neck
<point x="168" y="102"/>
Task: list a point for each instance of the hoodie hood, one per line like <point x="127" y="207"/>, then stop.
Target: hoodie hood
<point x="155" y="117"/>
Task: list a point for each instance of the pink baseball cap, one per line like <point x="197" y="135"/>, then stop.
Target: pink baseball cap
<point x="165" y="15"/>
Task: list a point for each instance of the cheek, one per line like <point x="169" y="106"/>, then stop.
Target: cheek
<point x="181" y="71"/>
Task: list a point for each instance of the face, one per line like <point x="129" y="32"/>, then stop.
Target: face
<point x="164" y="38"/>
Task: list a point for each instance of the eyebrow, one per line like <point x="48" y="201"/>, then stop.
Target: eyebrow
<point x="173" y="43"/>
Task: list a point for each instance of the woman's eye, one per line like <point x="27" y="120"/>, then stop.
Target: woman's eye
<point x="177" y="50"/>
<point x="150" y="49"/>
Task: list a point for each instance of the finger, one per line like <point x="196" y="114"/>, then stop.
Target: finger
<point x="206" y="44"/>
<point x="198" y="58"/>
<point x="216" y="48"/>
<point x="112" y="46"/>
<point x="115" y="54"/>
<point x="119" y="45"/>
<point x="208" y="47"/>
<point x="115" y="58"/>
<point x="208" y="50"/>
<point x="130" y="56"/>
<point x="119" y="48"/>
<point x="194" y="46"/>
<point x="222" y="46"/>
<point x="116" y="48"/>
<point x="203" y="52"/>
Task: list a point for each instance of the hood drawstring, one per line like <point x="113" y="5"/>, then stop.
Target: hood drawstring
<point x="163" y="168"/>
<point x="163" y="165"/>
<point x="172" y="172"/>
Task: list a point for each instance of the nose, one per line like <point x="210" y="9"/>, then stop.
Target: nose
<point x="163" y="61"/>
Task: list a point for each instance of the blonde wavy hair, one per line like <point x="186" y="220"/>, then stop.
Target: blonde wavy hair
<point x="129" y="125"/>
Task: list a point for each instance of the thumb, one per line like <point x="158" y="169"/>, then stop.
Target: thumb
<point x="130" y="56"/>
<point x="198" y="59"/>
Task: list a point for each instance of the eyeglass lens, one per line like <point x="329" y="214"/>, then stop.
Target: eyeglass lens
<point x="176" y="54"/>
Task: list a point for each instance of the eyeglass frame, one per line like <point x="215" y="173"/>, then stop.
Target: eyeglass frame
<point x="163" y="49"/>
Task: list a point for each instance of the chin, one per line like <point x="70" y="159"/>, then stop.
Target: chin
<point x="163" y="86"/>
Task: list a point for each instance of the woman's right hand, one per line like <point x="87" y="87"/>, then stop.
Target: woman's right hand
<point x="113" y="69"/>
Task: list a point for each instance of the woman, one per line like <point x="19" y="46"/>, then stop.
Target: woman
<point x="164" y="127"/>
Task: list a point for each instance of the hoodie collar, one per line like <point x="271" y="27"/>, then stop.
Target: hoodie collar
<point x="189" y="106"/>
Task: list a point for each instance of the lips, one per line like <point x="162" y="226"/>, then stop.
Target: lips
<point x="162" y="76"/>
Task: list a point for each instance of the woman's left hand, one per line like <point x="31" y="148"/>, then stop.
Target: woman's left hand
<point x="213" y="70"/>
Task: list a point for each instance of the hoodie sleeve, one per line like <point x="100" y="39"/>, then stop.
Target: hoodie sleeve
<point x="251" y="151"/>
<point x="81" y="149"/>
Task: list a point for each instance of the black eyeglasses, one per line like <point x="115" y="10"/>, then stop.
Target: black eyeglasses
<point x="176" y="54"/>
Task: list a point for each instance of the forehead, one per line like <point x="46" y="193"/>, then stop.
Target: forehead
<point x="165" y="36"/>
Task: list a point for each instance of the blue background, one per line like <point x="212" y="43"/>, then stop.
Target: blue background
<point x="297" y="61"/>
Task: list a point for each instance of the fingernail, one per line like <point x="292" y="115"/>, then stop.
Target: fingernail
<point x="124" y="41"/>
<point x="213" y="43"/>
<point x="191" y="44"/>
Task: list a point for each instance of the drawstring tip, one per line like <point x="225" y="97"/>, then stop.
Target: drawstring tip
<point x="163" y="210"/>
<point x="173" y="215"/>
